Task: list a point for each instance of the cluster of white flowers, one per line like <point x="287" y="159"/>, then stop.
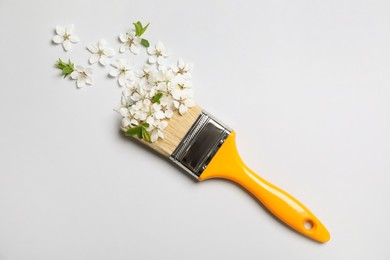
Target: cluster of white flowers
<point x="154" y="94"/>
<point x="151" y="95"/>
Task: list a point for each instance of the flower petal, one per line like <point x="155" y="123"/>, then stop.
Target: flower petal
<point x="60" y="30"/>
<point x="74" y="39"/>
<point x="150" y="50"/>
<point x="182" y="109"/>
<point x="58" y="39"/>
<point x="129" y="75"/>
<point x="189" y="103"/>
<point x="176" y="104"/>
<point x="160" y="60"/>
<point x="81" y="82"/>
<point x="103" y="60"/>
<point x="163" y="124"/>
<point x="189" y="66"/>
<point x="134" y="122"/>
<point x="123" y="48"/>
<point x="165" y="53"/>
<point x="160" y="133"/>
<point x="121" y="63"/>
<point x="115" y="64"/>
<point x="180" y="63"/>
<point x="74" y="75"/>
<point x="66" y="44"/>
<point x="152" y="59"/>
<point x="160" y="46"/>
<point x="154" y="136"/>
<point x="134" y="49"/>
<point x="109" y="52"/>
<point x="114" y="73"/>
<point x="189" y="93"/>
<point x="137" y="40"/>
<point x="123" y="37"/>
<point x="124" y="111"/>
<point x="79" y="68"/>
<point x="102" y="44"/>
<point x="128" y="66"/>
<point x="126" y="122"/>
<point x="94" y="58"/>
<point x="122" y="80"/>
<point x="89" y="80"/>
<point x="135" y="97"/>
<point x="159" y="114"/>
<point x="168" y="113"/>
<point x="69" y="29"/>
<point x="92" y="48"/>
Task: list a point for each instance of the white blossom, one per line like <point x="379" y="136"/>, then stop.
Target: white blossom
<point x="156" y="130"/>
<point x="181" y="84"/>
<point x="82" y="75"/>
<point x="153" y="78"/>
<point x="133" y="92"/>
<point x="122" y="71"/>
<point x="164" y="109"/>
<point x="65" y="36"/>
<point x="149" y="111"/>
<point x="183" y="68"/>
<point x="165" y="75"/>
<point x="157" y="54"/>
<point x="182" y="101"/>
<point x="128" y="114"/>
<point x="100" y="52"/>
<point x="142" y="109"/>
<point x="144" y="74"/>
<point x="130" y="41"/>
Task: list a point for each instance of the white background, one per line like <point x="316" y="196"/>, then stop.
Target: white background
<point x="305" y="84"/>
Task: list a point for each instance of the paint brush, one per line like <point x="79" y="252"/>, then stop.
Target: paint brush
<point x="205" y="148"/>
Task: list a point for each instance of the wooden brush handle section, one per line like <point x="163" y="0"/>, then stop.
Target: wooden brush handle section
<point x="228" y="165"/>
<point x="174" y="133"/>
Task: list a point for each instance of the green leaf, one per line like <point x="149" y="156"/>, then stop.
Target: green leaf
<point x="145" y="42"/>
<point x="139" y="134"/>
<point x="133" y="131"/>
<point x="59" y="64"/>
<point x="145" y="134"/>
<point x="138" y="28"/>
<point x="67" y="68"/>
<point x="139" y="131"/>
<point x="146" y="125"/>
<point x="156" y="98"/>
<point x="144" y="28"/>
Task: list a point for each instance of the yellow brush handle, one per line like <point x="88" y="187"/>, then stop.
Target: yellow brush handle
<point x="227" y="164"/>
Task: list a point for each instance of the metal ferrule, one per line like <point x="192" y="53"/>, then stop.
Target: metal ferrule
<point x="200" y="144"/>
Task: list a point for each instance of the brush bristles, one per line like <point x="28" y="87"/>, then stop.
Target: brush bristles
<point x="175" y="131"/>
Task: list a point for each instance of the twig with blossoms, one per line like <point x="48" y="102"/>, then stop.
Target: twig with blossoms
<point x="132" y="39"/>
<point x="83" y="76"/>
